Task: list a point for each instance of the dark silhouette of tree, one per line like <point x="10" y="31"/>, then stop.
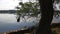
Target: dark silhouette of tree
<point x="46" y="17"/>
<point x="18" y="19"/>
<point x="28" y="7"/>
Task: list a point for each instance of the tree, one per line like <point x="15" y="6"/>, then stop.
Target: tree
<point x="56" y="7"/>
<point x="46" y="17"/>
<point x="28" y="7"/>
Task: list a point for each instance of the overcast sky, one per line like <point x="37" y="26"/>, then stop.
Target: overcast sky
<point x="9" y="4"/>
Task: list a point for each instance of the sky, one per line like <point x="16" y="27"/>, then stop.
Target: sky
<point x="12" y="4"/>
<point x="9" y="4"/>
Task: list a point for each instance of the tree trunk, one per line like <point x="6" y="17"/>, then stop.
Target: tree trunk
<point x="18" y="20"/>
<point x="46" y="17"/>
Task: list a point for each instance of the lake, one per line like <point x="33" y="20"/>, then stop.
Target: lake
<point x="8" y="22"/>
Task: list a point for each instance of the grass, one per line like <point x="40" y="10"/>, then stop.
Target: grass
<point x="56" y="30"/>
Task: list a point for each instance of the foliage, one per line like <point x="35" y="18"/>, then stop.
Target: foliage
<point x="28" y="7"/>
<point x="56" y="7"/>
<point x="33" y="7"/>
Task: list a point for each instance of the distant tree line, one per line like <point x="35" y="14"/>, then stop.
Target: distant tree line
<point x="7" y="11"/>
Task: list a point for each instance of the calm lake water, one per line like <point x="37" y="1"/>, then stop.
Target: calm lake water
<point x="8" y="22"/>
